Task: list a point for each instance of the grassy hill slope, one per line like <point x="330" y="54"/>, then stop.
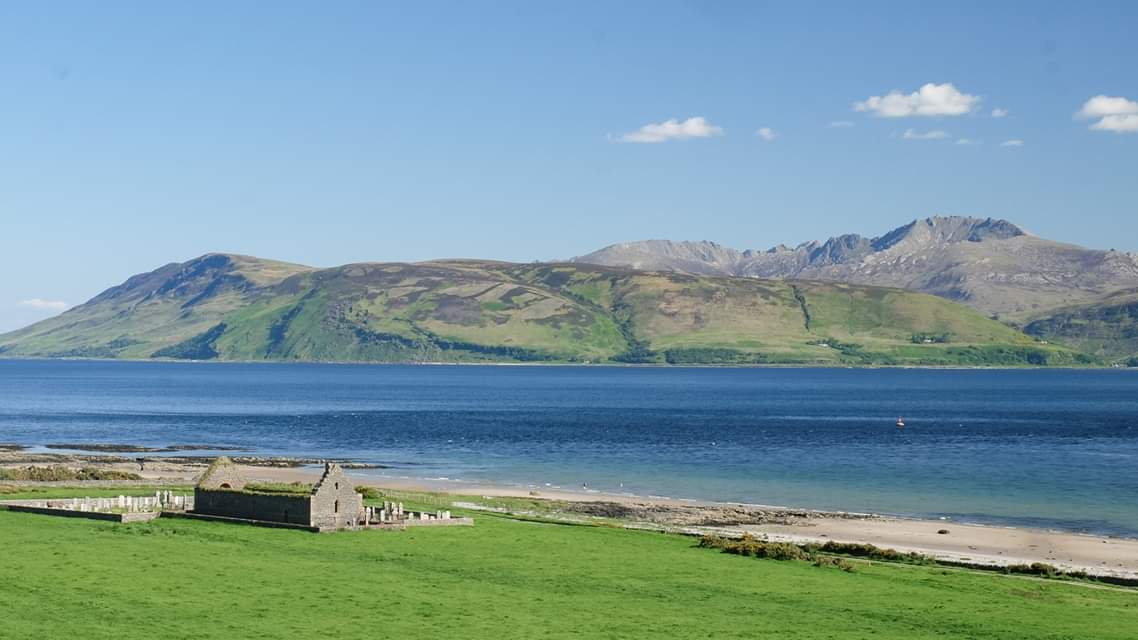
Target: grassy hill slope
<point x="239" y="308"/>
<point x="1108" y="328"/>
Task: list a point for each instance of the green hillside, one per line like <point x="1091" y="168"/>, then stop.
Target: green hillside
<point x="228" y="307"/>
<point x="1107" y="329"/>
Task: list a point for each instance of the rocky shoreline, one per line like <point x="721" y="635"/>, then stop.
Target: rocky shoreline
<point x="18" y="456"/>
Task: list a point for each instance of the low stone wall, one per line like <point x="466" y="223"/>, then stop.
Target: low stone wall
<point x="448" y="522"/>
<point x="139" y="516"/>
<point x="189" y="515"/>
<point x="285" y="509"/>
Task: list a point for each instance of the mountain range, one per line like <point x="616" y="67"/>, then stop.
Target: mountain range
<point x="993" y="266"/>
<point x="232" y="307"/>
<point x="943" y="290"/>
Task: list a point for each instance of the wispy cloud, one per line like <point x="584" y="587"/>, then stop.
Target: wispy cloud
<point x="968" y="142"/>
<point x="1012" y="143"/>
<point x="46" y="305"/>
<point x="766" y="133"/>
<point x="930" y="100"/>
<point x="840" y="124"/>
<point x="999" y="113"/>
<point x="1114" y="113"/>
<point x="674" y="129"/>
<point x="935" y="134"/>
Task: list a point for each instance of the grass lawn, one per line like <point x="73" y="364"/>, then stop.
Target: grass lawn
<point x="503" y="578"/>
<point x="18" y="492"/>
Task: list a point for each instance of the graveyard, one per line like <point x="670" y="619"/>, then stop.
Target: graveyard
<point x="224" y="494"/>
<point x="505" y="578"/>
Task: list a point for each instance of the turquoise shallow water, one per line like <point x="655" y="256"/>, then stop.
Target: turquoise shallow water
<point x="1045" y="448"/>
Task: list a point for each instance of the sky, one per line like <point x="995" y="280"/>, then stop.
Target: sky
<point x="137" y="134"/>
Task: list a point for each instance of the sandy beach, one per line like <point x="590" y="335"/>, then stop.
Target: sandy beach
<point x="971" y="543"/>
<point x="945" y="540"/>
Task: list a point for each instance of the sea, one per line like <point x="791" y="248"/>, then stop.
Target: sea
<point x="1047" y="448"/>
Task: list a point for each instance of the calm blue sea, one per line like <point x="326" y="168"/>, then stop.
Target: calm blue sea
<point x="1043" y="448"/>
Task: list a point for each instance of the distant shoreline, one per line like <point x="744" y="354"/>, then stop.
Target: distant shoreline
<point x="608" y="365"/>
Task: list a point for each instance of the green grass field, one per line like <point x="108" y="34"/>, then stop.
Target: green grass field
<point x="501" y="579"/>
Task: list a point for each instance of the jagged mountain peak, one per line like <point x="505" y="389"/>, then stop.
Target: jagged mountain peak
<point x="989" y="263"/>
<point x="949" y="230"/>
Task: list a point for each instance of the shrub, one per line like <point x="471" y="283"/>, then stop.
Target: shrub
<point x="839" y="563"/>
<point x="1035" y="569"/>
<point x="369" y="493"/>
<point x="876" y="553"/>
<point x="710" y="355"/>
<point x="712" y="542"/>
<point x="752" y="547"/>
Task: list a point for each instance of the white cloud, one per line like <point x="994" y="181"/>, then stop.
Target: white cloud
<point x="46" y="305"/>
<point x="840" y="124"/>
<point x="766" y="133"/>
<point x="1118" y="124"/>
<point x="1012" y="143"/>
<point x="930" y="100"/>
<point x="695" y="127"/>
<point x="967" y="142"/>
<point x="1114" y="113"/>
<point x="1100" y="106"/>
<point x="935" y="134"/>
<point x="999" y="113"/>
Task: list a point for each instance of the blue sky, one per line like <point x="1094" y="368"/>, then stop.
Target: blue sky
<point x="136" y="134"/>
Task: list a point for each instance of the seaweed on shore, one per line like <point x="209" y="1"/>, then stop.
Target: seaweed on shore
<point x="706" y="515"/>
<point x="59" y="473"/>
<point x="258" y="461"/>
<point x="135" y="448"/>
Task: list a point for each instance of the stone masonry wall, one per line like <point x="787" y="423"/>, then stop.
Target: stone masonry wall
<point x="222" y="474"/>
<point x="253" y="506"/>
<point x="335" y="503"/>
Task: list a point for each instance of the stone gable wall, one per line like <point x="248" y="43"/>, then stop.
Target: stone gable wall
<point x="335" y="503"/>
<point x="222" y="474"/>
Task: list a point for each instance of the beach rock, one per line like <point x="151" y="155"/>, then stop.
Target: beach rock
<point x="707" y="515"/>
